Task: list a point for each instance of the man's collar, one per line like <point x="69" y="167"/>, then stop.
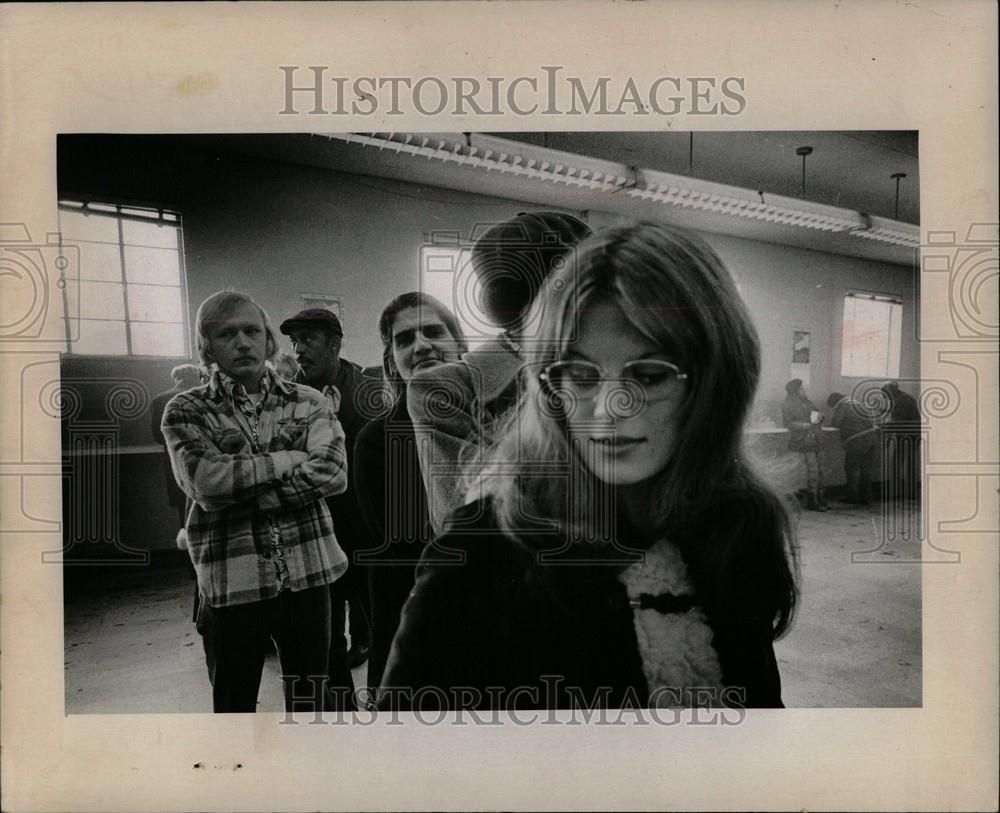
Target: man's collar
<point x="223" y="385"/>
<point x="231" y="387"/>
<point x="215" y="388"/>
<point x="280" y="383"/>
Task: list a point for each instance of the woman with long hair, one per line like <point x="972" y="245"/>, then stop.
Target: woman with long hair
<point x="618" y="551"/>
<point x="418" y="333"/>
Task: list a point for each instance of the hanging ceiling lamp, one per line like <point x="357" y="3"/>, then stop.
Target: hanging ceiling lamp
<point x="897" y="177"/>
<point x="805" y="152"/>
<point x="493" y="154"/>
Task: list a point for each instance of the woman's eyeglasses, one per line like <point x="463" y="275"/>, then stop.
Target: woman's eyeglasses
<point x="656" y="378"/>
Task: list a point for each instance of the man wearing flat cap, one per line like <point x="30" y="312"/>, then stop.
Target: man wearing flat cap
<point x="316" y="335"/>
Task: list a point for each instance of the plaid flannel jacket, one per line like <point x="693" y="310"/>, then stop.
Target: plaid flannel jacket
<point x="300" y="462"/>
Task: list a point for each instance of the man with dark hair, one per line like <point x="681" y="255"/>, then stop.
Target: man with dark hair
<point x="317" y="336"/>
<point x="859" y="437"/>
<point x="452" y="405"/>
<point x="258" y="456"/>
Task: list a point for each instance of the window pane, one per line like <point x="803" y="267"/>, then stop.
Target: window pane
<point x="98" y="261"/>
<point x="446" y="274"/>
<point x="157" y="339"/>
<point x="865" y="339"/>
<point x="149" y="234"/>
<point x="95" y="296"/>
<point x="876" y="335"/>
<point x="895" y="339"/>
<point x="871" y="339"/>
<point x="156" y="265"/>
<point x="149" y="303"/>
<point x="849" y="344"/>
<point x="97" y="338"/>
<point x="95" y="300"/>
<point x="78" y="226"/>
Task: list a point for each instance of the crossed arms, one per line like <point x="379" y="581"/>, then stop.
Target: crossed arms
<point x="315" y="467"/>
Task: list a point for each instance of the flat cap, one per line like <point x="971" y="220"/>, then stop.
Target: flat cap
<point x="313" y="318"/>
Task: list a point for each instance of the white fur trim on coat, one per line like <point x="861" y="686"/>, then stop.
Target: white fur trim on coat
<point x="676" y="648"/>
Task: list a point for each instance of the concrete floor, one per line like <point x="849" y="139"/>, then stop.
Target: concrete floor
<point x="131" y="647"/>
<point x="856" y="641"/>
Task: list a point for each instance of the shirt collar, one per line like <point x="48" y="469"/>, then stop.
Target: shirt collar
<point x="222" y="385"/>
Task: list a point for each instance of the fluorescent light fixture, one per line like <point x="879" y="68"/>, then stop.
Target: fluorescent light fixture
<point x="492" y="154"/>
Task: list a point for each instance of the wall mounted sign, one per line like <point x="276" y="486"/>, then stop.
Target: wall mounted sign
<point x="800" y="346"/>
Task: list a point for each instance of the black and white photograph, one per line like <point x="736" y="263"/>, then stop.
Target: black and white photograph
<point x="667" y="271"/>
<point x="498" y="406"/>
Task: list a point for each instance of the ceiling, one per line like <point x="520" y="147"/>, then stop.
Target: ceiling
<point x="848" y="170"/>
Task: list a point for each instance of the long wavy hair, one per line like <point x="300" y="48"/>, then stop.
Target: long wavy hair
<point x="733" y="531"/>
<point x="412" y="299"/>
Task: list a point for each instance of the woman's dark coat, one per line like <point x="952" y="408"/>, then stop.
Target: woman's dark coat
<point x="491" y="624"/>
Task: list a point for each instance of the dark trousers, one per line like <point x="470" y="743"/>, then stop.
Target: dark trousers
<point x="236" y="643"/>
<point x="340" y="692"/>
<point x="354" y="587"/>
<point x="390" y="586"/>
<point x="860" y="457"/>
<point x="904" y="466"/>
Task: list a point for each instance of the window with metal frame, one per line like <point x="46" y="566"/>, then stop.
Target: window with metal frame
<point x="130" y="296"/>
<point x="446" y="274"/>
<point x="872" y="333"/>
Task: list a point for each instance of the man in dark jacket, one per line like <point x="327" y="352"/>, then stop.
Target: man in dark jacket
<point x="902" y="431"/>
<point x="317" y="335"/>
<point x="859" y="438"/>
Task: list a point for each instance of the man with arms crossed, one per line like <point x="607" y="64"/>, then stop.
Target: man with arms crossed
<point x="258" y="456"/>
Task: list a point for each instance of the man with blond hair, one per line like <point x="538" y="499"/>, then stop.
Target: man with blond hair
<point x="258" y="456"/>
